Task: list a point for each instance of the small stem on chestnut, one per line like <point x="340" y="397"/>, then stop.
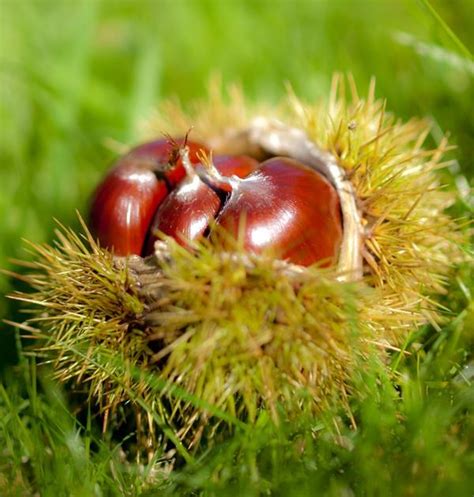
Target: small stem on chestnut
<point x="184" y="154"/>
<point x="213" y="173"/>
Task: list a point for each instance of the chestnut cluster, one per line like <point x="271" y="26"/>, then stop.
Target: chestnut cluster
<point x="173" y="187"/>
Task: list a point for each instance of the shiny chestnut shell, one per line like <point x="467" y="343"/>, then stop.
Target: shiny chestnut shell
<point x="123" y="205"/>
<point x="288" y="210"/>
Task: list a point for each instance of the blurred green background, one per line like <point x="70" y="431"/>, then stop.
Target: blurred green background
<point x="78" y="75"/>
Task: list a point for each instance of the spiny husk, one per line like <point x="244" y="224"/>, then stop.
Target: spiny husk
<point x="193" y="337"/>
<point x="87" y="306"/>
<point x="238" y="331"/>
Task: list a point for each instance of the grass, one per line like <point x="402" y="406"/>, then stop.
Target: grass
<point x="76" y="82"/>
<point x="411" y="438"/>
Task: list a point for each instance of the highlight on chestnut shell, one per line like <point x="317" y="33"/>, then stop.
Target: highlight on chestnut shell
<point x="280" y="206"/>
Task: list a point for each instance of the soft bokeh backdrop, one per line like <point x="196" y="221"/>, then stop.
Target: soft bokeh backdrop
<point x="78" y="77"/>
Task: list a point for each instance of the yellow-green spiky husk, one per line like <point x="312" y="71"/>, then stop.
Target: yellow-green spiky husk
<point x="225" y="335"/>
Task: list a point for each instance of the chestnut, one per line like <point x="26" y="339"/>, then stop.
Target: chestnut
<point x="186" y="213"/>
<point x="124" y="203"/>
<point x="287" y="209"/>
